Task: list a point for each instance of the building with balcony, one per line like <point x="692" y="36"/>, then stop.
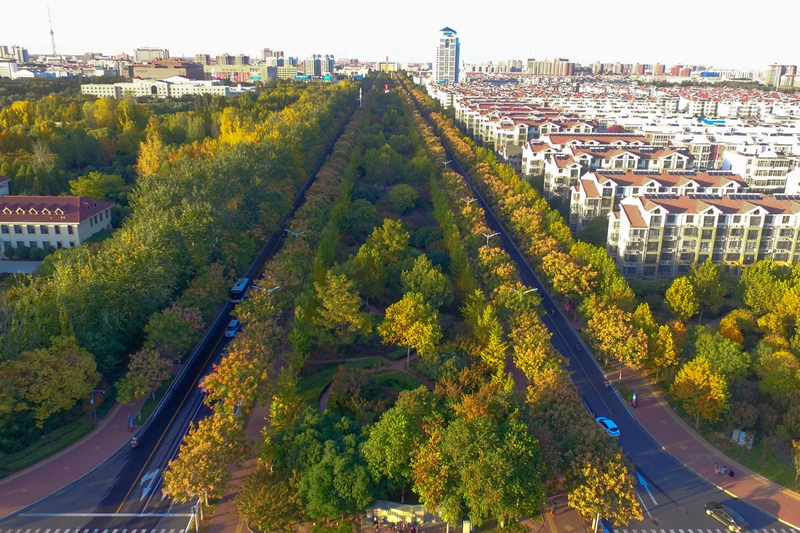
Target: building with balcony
<point x="663" y="235"/>
<point x="600" y="193"/>
<point x="763" y="168"/>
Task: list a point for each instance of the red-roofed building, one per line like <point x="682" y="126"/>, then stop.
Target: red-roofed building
<point x="57" y="221"/>
<point x="5" y="184"/>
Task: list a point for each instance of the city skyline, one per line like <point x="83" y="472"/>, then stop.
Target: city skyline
<point x="348" y="29"/>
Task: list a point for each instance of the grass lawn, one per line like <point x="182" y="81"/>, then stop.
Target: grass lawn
<point x="311" y="387"/>
<point x="397" y="381"/>
<point x="100" y="236"/>
<point x="150" y="405"/>
<point x="46" y="446"/>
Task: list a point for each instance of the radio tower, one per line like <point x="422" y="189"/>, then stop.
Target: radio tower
<point x="52" y="35"/>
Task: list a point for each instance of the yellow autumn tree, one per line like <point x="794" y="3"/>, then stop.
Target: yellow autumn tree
<point x="152" y="152"/>
<point x="704" y="393"/>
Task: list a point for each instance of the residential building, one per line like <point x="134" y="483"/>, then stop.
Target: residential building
<point x="447" y="57"/>
<point x="663" y="235"/>
<point x="223" y="60"/>
<point x="762" y="167"/>
<point x="600" y="193"/>
<point x="57" y="221"/>
<point x="17" y="53"/>
<point x="150" y="54"/>
<point x="286" y="72"/>
<point x="174" y="87"/>
<point x="240" y="73"/>
<point x="159" y="69"/>
<point x="202" y="59"/>
<point x="8" y="68"/>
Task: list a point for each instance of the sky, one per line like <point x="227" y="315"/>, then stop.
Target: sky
<point x="733" y="34"/>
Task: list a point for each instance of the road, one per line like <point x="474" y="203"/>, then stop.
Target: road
<point x="671" y="495"/>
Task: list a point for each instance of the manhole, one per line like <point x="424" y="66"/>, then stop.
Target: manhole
<point x="681" y="510"/>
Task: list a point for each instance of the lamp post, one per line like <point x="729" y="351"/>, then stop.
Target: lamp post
<point x="523" y="293"/>
<point x="446" y="162"/>
<point x="469" y="200"/>
<point x="294" y="232"/>
<point x="267" y="290"/>
<point x="489" y="236"/>
<point x="94" y="404"/>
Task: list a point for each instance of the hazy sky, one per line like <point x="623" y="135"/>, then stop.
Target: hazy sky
<point x="736" y="34"/>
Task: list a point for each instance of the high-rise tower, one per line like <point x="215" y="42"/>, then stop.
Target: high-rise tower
<point x="447" y="56"/>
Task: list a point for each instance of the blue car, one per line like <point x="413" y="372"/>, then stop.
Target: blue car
<point x="608" y="425"/>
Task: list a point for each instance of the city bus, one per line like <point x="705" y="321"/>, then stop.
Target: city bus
<point x="240" y="290"/>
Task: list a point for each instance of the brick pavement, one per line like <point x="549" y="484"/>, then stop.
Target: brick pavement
<point x="59" y="470"/>
<point x="676" y="437"/>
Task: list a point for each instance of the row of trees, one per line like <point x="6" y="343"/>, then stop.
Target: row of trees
<point x="195" y="223"/>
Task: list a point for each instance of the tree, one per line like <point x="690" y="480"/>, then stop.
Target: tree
<point x="390" y="240"/>
<point x="174" y="331"/>
<point x="663" y="352"/>
<point x="596" y="231"/>
<point x="779" y="372"/>
<point x="725" y="356"/>
<point x="202" y="466"/>
<point x="361" y="218"/>
<point x="98" y="185"/>
<point x="605" y="487"/>
<point x="796" y="457"/>
<point x="48" y="380"/>
<point x="704" y="393"/>
<point x="270" y="500"/>
<point x="707" y="284"/>
<point x="152" y="152"/>
<point x="149" y="369"/>
<point x="402" y="197"/>
<point x="369" y="272"/>
<point x="338" y="312"/>
<point x="237" y="380"/>
<point x="761" y="286"/>
<point x="567" y="277"/>
<point x="613" y="334"/>
<point x="412" y="323"/>
<point x="428" y="280"/>
<point x="682" y="299"/>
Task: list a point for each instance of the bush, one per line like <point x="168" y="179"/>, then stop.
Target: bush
<point x="36" y="254"/>
<point x="402" y="198"/>
<point x="22" y="252"/>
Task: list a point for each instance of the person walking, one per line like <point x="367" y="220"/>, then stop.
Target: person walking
<point x="716" y="469"/>
<point x="130" y="422"/>
<point x="730" y="474"/>
<point x="553" y="509"/>
<point x="723" y="469"/>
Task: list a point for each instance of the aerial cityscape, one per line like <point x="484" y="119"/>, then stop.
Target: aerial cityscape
<point x="376" y="274"/>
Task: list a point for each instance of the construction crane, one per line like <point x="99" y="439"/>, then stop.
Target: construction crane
<point x="52" y="35"/>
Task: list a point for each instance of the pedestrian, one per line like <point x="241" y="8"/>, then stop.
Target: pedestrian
<point x="730" y="474"/>
<point x="553" y="509"/>
<point x="716" y="469"/>
<point x="130" y="422"/>
<point x="723" y="469"/>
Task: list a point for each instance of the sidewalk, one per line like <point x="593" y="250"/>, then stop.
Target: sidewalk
<point x="691" y="449"/>
<point x="35" y="482"/>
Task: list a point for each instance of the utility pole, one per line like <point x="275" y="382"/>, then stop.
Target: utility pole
<point x="52" y="35"/>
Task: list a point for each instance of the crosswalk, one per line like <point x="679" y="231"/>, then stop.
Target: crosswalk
<point x="699" y="530"/>
<point x="91" y="530"/>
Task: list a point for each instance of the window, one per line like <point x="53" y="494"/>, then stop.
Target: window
<point x="671" y="219"/>
<point x="737" y="232"/>
<point x="20" y="244"/>
<point x="652" y="246"/>
<point x="785" y="220"/>
<point x="722" y="220"/>
<point x="72" y="244"/>
<point x="6" y="245"/>
<point x="755" y="221"/>
<point x="57" y="230"/>
<point x="737" y="219"/>
<point x="708" y="234"/>
<point x="752" y="234"/>
<point x="58" y="245"/>
<point x="656" y="220"/>
<point x="783" y="233"/>
<point x="33" y="244"/>
<point x="31" y="229"/>
<point x="69" y="230"/>
<point x="708" y="222"/>
<point x="43" y="230"/>
<point x="705" y="246"/>
<point x="750" y="247"/>
<point x="45" y="244"/>
<point x="655" y="233"/>
<point x="690" y="219"/>
<point x="4" y="229"/>
<point x="768" y="219"/>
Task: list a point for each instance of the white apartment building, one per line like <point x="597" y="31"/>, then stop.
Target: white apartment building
<point x="663" y="235"/>
<point x="447" y="57"/>
<point x="600" y="193"/>
<point x="763" y="168"/>
<point x="57" y="221"/>
<point x="8" y="68"/>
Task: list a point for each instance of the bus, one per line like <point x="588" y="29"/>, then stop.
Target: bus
<point x="240" y="290"/>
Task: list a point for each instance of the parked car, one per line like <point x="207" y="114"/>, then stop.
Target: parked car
<point x="232" y="327"/>
<point x="609" y="425"/>
<point x="727" y="516"/>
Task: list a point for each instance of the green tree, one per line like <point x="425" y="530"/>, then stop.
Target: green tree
<point x="779" y="372"/>
<point x="412" y="323"/>
<point x="48" y="380"/>
<point x="725" y="356"/>
<point x="707" y="284"/>
<point x="596" y="231"/>
<point x="174" y="331"/>
<point x="148" y="369"/>
<point x="339" y="313"/>
<point x="402" y="197"/>
<point x="98" y="185"/>
<point x="428" y="280"/>
<point x="761" y="286"/>
<point x="703" y="392"/>
<point x="270" y="500"/>
<point x="369" y="272"/>
<point x="390" y="240"/>
<point x="682" y="299"/>
<point x="361" y="218"/>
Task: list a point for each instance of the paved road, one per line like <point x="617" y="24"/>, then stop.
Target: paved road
<point x="672" y="496"/>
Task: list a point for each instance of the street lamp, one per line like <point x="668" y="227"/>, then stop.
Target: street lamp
<point x="489" y="236"/>
<point x="446" y="162"/>
<point x="294" y="232"/>
<point x="266" y="290"/>
<point x="469" y="200"/>
<point x="523" y="293"/>
<point x="94" y="404"/>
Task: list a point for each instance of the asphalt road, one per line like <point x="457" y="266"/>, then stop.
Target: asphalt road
<point x="671" y="495"/>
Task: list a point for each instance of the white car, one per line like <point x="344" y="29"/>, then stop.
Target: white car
<point x="609" y="425"/>
<point x="232" y="327"/>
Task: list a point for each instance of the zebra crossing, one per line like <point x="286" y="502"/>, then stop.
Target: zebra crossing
<point x="698" y="530"/>
<point x="91" y="530"/>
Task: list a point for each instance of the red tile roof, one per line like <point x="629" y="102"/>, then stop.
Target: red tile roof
<point x="634" y="216"/>
<point x="52" y="209"/>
